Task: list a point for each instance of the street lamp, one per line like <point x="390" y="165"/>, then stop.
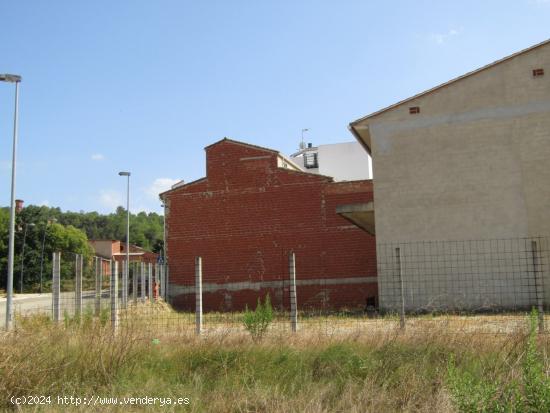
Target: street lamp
<point x="9" y="287"/>
<point x="23" y="256"/>
<point x="125" y="273"/>
<point x="42" y="254"/>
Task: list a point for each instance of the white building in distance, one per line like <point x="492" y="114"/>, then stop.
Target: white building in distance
<point x="346" y="161"/>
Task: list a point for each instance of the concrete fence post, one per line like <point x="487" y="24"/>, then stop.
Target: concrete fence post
<point x="198" y="295"/>
<point x="293" y="297"/>
<point x="56" y="286"/>
<point x="114" y="294"/>
<point x="78" y="285"/>
<point x="142" y="272"/>
<point x="124" y="295"/>
<point x="166" y="280"/>
<point x="161" y="279"/>
<point x="401" y="286"/>
<point x="134" y="284"/>
<point x="150" y="281"/>
<point x="539" y="288"/>
<point x="98" y="284"/>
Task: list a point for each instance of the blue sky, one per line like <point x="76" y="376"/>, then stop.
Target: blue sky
<point x="146" y="85"/>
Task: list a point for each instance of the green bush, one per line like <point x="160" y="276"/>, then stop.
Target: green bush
<point x="472" y="390"/>
<point x="256" y="322"/>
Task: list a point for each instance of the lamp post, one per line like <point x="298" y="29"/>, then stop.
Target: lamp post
<point x="42" y="254"/>
<point x="23" y="257"/>
<point x="125" y="273"/>
<point x="9" y="285"/>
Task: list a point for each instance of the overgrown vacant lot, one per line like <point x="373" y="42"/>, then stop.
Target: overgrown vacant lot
<point x="434" y="370"/>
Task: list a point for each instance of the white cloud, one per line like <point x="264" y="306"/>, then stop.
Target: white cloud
<point x="44" y="203"/>
<point x="97" y="157"/>
<point x="441" y="38"/>
<point x="141" y="208"/>
<point x="110" y="199"/>
<point x="160" y="185"/>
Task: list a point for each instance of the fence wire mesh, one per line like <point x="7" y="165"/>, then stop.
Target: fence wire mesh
<point x="486" y="286"/>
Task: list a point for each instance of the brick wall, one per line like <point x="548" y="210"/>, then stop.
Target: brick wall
<point x="245" y="217"/>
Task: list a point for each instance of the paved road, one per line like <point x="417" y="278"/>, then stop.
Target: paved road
<point x="42" y="303"/>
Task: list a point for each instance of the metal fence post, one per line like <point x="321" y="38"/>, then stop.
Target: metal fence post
<point x="98" y="284"/>
<point x="539" y="292"/>
<point x="198" y="295"/>
<point x="56" y="286"/>
<point x="114" y="294"/>
<point x="78" y="284"/>
<point x="400" y="272"/>
<point x="293" y="298"/>
<point x="150" y="281"/>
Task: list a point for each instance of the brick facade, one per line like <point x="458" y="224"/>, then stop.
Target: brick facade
<point x="245" y="217"/>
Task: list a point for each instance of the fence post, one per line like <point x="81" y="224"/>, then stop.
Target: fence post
<point x="98" y="282"/>
<point x="539" y="292"/>
<point x="167" y="287"/>
<point x="150" y="281"/>
<point x="142" y="272"/>
<point x="198" y="295"/>
<point x="78" y="285"/>
<point x="400" y="272"/>
<point x="114" y="294"/>
<point x="56" y="286"/>
<point x="124" y="295"/>
<point x="134" y="284"/>
<point x="293" y="298"/>
<point x="161" y="279"/>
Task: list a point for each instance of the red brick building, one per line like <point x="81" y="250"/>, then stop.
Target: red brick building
<point x="244" y="218"/>
<point x="111" y="249"/>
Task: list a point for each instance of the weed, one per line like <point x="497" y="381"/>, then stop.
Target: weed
<point x="256" y="322"/>
<point x="474" y="389"/>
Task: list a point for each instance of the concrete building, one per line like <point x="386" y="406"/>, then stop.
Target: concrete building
<point x="343" y="161"/>
<point x="251" y="210"/>
<point x="466" y="160"/>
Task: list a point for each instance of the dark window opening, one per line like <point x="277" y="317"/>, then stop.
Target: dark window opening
<point x="413" y="110"/>
<point x="538" y="72"/>
<point x="310" y="160"/>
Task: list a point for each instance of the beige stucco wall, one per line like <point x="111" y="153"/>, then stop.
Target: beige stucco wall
<point x="473" y="165"/>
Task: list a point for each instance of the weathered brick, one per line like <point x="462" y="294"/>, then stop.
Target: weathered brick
<point x="244" y="219"/>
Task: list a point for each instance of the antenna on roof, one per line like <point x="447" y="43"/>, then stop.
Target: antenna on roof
<point x="302" y="143"/>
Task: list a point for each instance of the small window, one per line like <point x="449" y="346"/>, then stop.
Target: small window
<point x="538" y="72"/>
<point x="310" y="160"/>
<point x="413" y="110"/>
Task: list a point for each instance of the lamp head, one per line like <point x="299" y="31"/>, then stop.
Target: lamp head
<point x="10" y="78"/>
<point x="124" y="173"/>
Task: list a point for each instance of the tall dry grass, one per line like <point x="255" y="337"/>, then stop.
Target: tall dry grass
<point x="360" y="371"/>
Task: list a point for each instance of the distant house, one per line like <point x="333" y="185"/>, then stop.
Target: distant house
<point x="462" y="188"/>
<point x="345" y="161"/>
<point x="116" y="250"/>
<point x="252" y="209"/>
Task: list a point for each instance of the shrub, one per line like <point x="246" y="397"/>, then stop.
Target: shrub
<point x="256" y="322"/>
<point x="475" y="391"/>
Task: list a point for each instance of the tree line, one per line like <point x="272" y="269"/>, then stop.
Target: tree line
<point x="41" y="230"/>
